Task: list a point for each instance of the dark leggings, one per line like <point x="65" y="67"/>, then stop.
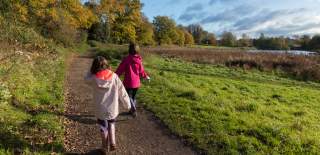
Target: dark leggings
<point x="105" y="123"/>
<point x="132" y="92"/>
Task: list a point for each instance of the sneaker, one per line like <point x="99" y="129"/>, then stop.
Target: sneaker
<point x="133" y="112"/>
<point x="113" y="147"/>
<point x="104" y="142"/>
<point x="104" y="151"/>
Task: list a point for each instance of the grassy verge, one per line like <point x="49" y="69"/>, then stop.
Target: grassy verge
<point x="227" y="111"/>
<point x="31" y="92"/>
<point x="30" y="117"/>
<point x="222" y="110"/>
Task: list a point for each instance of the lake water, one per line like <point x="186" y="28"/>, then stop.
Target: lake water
<point x="295" y="52"/>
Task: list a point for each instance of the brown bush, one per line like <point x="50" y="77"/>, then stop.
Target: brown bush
<point x="300" y="66"/>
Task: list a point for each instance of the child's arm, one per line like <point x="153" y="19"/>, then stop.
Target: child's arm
<point x="142" y="72"/>
<point x="123" y="95"/>
<point x="121" y="68"/>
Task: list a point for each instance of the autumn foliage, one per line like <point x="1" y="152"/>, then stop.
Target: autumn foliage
<point x="113" y="21"/>
<point x="59" y="20"/>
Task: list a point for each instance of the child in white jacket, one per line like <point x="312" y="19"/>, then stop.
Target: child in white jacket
<point x="108" y="91"/>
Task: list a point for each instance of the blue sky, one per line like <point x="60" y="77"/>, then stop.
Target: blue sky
<point x="272" y="17"/>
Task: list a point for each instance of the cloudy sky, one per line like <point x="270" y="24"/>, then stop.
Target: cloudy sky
<point x="272" y="17"/>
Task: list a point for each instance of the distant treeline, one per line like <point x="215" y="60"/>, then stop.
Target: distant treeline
<point x="121" y="21"/>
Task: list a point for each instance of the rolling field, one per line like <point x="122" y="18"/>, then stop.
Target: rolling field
<point x="222" y="110"/>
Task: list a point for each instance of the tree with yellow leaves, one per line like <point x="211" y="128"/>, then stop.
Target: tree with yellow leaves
<point x="145" y="33"/>
<point x="50" y="17"/>
<point x="118" y="19"/>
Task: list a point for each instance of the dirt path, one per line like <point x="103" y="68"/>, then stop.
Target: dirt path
<point x="141" y="135"/>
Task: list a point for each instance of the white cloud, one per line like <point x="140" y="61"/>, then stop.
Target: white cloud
<point x="282" y="22"/>
<point x="273" y="17"/>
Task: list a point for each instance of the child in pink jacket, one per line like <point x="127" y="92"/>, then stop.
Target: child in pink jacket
<point x="108" y="91"/>
<point x="133" y="69"/>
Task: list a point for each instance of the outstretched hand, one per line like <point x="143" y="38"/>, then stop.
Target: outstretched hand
<point x="148" y="78"/>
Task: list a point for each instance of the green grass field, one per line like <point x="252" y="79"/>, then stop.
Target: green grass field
<point x="231" y="111"/>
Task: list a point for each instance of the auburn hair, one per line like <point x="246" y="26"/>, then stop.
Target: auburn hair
<point x="99" y="63"/>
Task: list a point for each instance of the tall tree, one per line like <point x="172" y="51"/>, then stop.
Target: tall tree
<point x="274" y="43"/>
<point x="209" y="38"/>
<point x="180" y="39"/>
<point x="188" y="38"/>
<point x="228" y="39"/>
<point x="145" y="33"/>
<point x="245" y="41"/>
<point x="260" y="42"/>
<point x="165" y="30"/>
<point x="121" y="19"/>
<point x="315" y="43"/>
<point x="197" y="32"/>
<point x="99" y="31"/>
<point x="127" y="19"/>
<point x="305" y="42"/>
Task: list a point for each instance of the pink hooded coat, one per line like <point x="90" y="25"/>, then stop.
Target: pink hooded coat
<point x="133" y="69"/>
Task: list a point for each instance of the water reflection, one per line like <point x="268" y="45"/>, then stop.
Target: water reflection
<point x="295" y="52"/>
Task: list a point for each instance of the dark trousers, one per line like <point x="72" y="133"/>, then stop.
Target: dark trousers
<point x="132" y="92"/>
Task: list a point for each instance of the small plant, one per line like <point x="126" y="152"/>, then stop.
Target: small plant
<point x="188" y="95"/>
<point x="5" y="94"/>
<point x="247" y="108"/>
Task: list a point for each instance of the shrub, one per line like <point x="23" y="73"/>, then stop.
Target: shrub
<point x="65" y="34"/>
<point x="18" y="33"/>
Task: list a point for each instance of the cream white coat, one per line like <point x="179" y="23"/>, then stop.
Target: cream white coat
<point x="107" y="94"/>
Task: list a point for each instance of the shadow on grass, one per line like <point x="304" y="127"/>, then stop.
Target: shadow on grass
<point x="13" y="140"/>
<point x="10" y="140"/>
<point x="28" y="135"/>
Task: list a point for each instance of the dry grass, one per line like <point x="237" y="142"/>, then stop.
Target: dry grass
<point x="299" y="66"/>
